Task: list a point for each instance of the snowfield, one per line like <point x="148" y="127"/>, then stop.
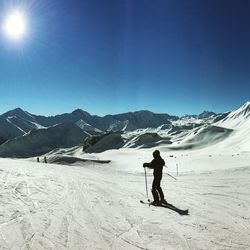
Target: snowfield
<point x="92" y="200"/>
<point x="90" y="205"/>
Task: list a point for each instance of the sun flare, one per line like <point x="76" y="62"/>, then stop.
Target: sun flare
<point x="15" y="25"/>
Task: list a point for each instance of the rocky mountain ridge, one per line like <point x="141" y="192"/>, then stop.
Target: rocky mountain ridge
<point x="17" y="122"/>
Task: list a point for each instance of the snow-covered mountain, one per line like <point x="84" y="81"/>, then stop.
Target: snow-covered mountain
<point x="101" y="143"/>
<point x="133" y="120"/>
<point x="229" y="132"/>
<point x="18" y="122"/>
<point x="40" y="141"/>
<point x="203" y="137"/>
<point x="239" y="118"/>
<point x="203" y="115"/>
<point x="87" y="127"/>
<point x="143" y="119"/>
<point x="147" y="140"/>
<point x="15" y="123"/>
<point x="140" y="129"/>
<point x="21" y="128"/>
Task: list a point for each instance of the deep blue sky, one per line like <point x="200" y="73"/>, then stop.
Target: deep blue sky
<point x="113" y="56"/>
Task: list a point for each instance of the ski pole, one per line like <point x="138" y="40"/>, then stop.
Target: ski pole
<point x="146" y="182"/>
<point x="170" y="174"/>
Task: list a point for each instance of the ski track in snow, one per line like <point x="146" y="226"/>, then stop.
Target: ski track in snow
<point x="46" y="206"/>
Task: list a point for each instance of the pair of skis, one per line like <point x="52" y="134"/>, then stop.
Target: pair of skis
<point x="165" y="204"/>
<point x="169" y="206"/>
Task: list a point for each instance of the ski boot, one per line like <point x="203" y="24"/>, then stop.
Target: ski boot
<point x="155" y="203"/>
<point x="163" y="202"/>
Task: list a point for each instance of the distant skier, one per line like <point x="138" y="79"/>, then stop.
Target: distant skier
<point x="157" y="164"/>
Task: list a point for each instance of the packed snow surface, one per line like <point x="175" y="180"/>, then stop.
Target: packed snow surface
<point x="89" y="205"/>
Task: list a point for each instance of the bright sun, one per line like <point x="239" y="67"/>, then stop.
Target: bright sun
<point x="15" y="25"/>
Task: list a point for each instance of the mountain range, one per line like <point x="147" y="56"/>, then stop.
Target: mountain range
<point x="23" y="134"/>
<point x="18" y="122"/>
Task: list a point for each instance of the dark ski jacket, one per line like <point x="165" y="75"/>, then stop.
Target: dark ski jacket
<point x="156" y="164"/>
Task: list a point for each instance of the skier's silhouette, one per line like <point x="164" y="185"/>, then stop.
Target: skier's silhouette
<point x="157" y="164"/>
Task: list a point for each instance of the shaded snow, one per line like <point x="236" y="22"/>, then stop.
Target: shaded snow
<point x="105" y="142"/>
<point x="204" y="137"/>
<point x="147" y="140"/>
<point x="41" y="141"/>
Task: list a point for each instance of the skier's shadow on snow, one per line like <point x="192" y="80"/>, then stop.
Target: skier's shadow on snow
<point x="176" y="209"/>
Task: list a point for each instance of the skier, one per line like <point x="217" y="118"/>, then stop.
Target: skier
<point x="157" y="164"/>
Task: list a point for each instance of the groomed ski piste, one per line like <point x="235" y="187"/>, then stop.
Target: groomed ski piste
<point x="96" y="205"/>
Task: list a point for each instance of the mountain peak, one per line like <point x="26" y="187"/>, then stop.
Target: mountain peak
<point x="206" y="114"/>
<point x="79" y="112"/>
<point x="247" y="104"/>
<point x="245" y="109"/>
<point x="14" y="112"/>
<point x="17" y="110"/>
<point x="237" y="118"/>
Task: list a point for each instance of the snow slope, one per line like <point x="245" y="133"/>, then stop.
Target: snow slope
<point x="9" y="130"/>
<point x="87" y="128"/>
<point x="237" y="119"/>
<point x="204" y="136"/>
<point x="106" y="142"/>
<point x="16" y="122"/>
<point x="41" y="141"/>
<point x="227" y="136"/>
<point x="147" y="140"/>
<point x="93" y="206"/>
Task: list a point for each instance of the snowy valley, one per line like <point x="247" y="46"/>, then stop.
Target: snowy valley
<point x="87" y="195"/>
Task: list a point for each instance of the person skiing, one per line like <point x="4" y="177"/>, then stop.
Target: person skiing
<point x="157" y="164"/>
